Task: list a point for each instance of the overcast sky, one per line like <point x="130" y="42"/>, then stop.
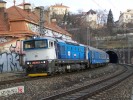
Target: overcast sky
<point x="115" y="5"/>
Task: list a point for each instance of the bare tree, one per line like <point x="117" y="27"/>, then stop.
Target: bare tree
<point x="102" y="17"/>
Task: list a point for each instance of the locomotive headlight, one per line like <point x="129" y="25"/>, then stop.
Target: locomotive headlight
<point x="28" y="63"/>
<point x="43" y="62"/>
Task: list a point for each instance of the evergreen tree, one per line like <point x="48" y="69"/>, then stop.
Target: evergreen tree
<point x="68" y="19"/>
<point x="110" y="22"/>
<point x="65" y="17"/>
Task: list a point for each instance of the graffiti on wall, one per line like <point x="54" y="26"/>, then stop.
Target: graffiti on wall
<point x="35" y="28"/>
<point x="10" y="61"/>
<point x="16" y="48"/>
<point x="3" y="39"/>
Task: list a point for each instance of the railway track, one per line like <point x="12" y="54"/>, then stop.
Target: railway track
<point x="84" y="92"/>
<point x="17" y="80"/>
<point x="26" y="78"/>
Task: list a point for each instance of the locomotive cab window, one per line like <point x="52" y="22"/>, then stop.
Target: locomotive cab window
<point x="28" y="45"/>
<point x="40" y="44"/>
<point x="34" y="44"/>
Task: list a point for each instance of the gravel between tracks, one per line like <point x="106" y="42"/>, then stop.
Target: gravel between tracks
<point x="122" y="91"/>
<point x="37" y="89"/>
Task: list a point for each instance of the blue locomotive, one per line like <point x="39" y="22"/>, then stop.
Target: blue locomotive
<point x="47" y="55"/>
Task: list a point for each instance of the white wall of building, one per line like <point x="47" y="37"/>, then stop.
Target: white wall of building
<point x="126" y="17"/>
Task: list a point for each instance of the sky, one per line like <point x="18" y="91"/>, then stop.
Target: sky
<point x="116" y="6"/>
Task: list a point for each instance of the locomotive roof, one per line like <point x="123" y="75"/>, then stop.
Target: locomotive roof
<point x="95" y="49"/>
<point x="68" y="42"/>
<point x="49" y="38"/>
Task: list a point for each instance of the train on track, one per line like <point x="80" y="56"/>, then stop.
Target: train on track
<point x="46" y="56"/>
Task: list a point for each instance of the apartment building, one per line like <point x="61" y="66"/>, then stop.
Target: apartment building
<point x="58" y="9"/>
<point x="90" y="18"/>
<point x="126" y="17"/>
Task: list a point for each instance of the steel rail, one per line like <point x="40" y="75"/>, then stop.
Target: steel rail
<point x="84" y="92"/>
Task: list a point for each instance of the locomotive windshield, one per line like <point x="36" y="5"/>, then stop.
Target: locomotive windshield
<point x="34" y="44"/>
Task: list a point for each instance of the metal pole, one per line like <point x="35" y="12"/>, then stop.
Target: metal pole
<point x="119" y="52"/>
<point x="87" y="45"/>
<point x="128" y="51"/>
<point x="89" y="37"/>
<point x="41" y="24"/>
<point x="123" y="55"/>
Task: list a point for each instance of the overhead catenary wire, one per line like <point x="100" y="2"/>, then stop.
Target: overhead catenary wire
<point x="110" y="2"/>
<point x="97" y="4"/>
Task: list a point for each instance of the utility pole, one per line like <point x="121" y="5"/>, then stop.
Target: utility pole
<point x="88" y="33"/>
<point x="123" y="58"/>
<point x="41" y="23"/>
<point x="87" y="44"/>
<point x="87" y="37"/>
<point x="128" y="39"/>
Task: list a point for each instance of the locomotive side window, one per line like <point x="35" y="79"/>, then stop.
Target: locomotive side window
<point x="62" y="49"/>
<point x="51" y="44"/>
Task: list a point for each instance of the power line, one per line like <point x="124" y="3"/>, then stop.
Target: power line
<point x="110" y="2"/>
<point x="97" y="4"/>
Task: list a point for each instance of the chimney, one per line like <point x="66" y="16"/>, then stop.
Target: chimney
<point x="37" y="11"/>
<point x="27" y="7"/>
<point x="3" y="15"/>
<point x="2" y="4"/>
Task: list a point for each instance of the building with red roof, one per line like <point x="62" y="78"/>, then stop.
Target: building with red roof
<point x="17" y="24"/>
